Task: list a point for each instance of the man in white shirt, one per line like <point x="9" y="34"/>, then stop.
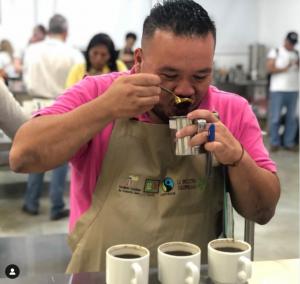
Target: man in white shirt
<point x="46" y="66"/>
<point x="47" y="63"/>
<point x="283" y="64"/>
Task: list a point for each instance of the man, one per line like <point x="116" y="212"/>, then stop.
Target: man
<point x="115" y="131"/>
<point x="126" y="54"/>
<point x="283" y="64"/>
<point x="46" y="67"/>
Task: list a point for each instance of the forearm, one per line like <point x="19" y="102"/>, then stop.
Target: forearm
<point x="255" y="191"/>
<point x="48" y="141"/>
<point x="272" y="69"/>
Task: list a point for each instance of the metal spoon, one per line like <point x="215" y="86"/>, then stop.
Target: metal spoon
<point x="177" y="99"/>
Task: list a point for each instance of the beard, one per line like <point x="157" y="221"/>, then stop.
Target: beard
<point x="175" y="110"/>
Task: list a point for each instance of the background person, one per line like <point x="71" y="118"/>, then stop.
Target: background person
<point x="126" y="54"/>
<point x="100" y="58"/>
<point x="283" y="64"/>
<point x="114" y="129"/>
<point x="39" y="33"/>
<point x="46" y="66"/>
<point x="10" y="66"/>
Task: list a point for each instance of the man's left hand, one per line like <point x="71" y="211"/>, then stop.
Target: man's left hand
<point x="225" y="147"/>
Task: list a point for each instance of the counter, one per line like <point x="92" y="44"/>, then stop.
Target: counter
<point x="44" y="258"/>
<point x="264" y="272"/>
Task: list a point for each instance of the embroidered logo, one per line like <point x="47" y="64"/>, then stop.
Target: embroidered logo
<point x="167" y="184"/>
<point x="151" y="186"/>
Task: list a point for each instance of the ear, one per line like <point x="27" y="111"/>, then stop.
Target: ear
<point x="138" y="59"/>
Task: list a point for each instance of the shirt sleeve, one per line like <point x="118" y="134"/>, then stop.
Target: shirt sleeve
<point x="250" y="136"/>
<point x="272" y="54"/>
<point x="75" y="75"/>
<point x="121" y="66"/>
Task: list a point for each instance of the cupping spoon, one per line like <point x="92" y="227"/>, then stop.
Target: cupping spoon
<point x="178" y="100"/>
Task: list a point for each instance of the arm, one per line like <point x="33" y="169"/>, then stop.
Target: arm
<point x="255" y="191"/>
<point x="271" y="66"/>
<point x="48" y="141"/>
<point x="11" y="114"/>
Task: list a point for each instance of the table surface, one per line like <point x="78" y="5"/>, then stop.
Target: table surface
<point x="284" y="271"/>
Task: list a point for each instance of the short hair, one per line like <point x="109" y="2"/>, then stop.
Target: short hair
<point x="292" y="37"/>
<point x="182" y="17"/>
<point x="131" y="35"/>
<point x="58" y="24"/>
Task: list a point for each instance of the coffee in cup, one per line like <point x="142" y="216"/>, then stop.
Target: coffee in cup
<point x="127" y="264"/>
<point x="179" y="262"/>
<point x="229" y="261"/>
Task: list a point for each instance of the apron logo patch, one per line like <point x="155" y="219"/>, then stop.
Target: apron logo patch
<point x="167" y="184"/>
<point x="151" y="186"/>
<point x="191" y="184"/>
<point x="130" y="185"/>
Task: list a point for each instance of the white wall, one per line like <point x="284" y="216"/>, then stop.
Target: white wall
<point x="86" y="17"/>
<point x="276" y="19"/>
<point x="239" y="22"/>
<point x="236" y="29"/>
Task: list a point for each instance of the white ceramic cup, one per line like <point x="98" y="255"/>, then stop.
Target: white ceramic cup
<point x="127" y="264"/>
<point x="227" y="267"/>
<point x="179" y="269"/>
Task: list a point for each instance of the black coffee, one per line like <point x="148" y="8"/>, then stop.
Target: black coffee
<point x="128" y="255"/>
<point x="229" y="249"/>
<point x="178" y="253"/>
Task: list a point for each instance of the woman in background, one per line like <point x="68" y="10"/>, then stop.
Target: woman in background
<point x="100" y="57"/>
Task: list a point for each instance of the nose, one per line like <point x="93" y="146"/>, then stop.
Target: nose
<point x="184" y="89"/>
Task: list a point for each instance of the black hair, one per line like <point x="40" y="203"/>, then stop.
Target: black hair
<point x="102" y="39"/>
<point x="131" y="35"/>
<point x="182" y="17"/>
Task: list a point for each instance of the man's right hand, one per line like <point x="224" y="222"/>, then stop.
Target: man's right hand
<point x="132" y="95"/>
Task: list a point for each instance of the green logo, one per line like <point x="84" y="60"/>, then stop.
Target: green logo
<point x="151" y="186"/>
<point x="201" y="183"/>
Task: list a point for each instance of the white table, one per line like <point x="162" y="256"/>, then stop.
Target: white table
<point x="285" y="271"/>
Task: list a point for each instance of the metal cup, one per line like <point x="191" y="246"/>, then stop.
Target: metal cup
<point x="182" y="144"/>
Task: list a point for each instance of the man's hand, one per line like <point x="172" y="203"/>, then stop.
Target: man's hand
<point x="225" y="147"/>
<point x="132" y="95"/>
<point x="255" y="191"/>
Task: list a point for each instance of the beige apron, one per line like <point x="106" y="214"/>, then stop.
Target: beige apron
<point x="146" y="195"/>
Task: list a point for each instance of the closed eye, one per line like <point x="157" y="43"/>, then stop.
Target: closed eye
<point x="169" y="76"/>
<point x="200" y="78"/>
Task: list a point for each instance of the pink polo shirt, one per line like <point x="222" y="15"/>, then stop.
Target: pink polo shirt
<point x="234" y="112"/>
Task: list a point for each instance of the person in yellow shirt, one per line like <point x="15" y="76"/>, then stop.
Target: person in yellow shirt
<point x="100" y="57"/>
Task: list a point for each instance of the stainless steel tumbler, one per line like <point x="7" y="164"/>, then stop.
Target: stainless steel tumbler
<point x="182" y="144"/>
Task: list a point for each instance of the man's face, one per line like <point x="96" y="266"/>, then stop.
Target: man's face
<point x="184" y="65"/>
